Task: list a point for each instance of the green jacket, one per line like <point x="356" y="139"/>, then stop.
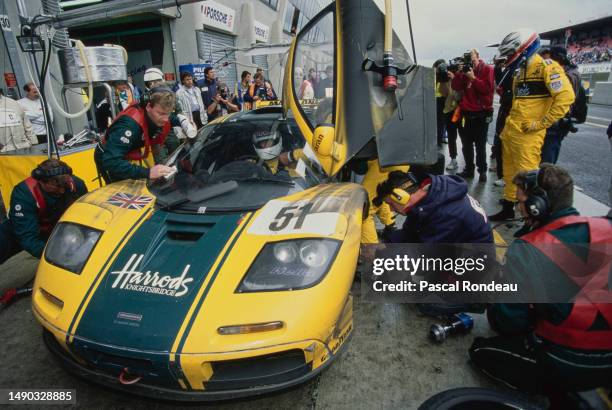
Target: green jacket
<point x="525" y="264"/>
<point x="24" y="218"/>
<point x="122" y="137"/>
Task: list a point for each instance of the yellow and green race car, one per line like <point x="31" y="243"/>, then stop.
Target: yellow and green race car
<point x="232" y="277"/>
<point x="225" y="281"/>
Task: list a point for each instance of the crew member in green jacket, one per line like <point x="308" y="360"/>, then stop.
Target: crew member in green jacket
<point x="549" y="344"/>
<point x="146" y="125"/>
<point x="37" y="203"/>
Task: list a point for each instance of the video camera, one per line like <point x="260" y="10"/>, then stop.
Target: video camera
<point x="465" y="59"/>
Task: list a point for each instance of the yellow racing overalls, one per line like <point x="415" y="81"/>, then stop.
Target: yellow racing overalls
<point x="374" y="176"/>
<point x="542" y="95"/>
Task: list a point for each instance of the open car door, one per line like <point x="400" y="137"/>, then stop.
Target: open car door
<point x="351" y="115"/>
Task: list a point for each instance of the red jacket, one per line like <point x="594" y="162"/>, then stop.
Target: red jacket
<point x="477" y="94"/>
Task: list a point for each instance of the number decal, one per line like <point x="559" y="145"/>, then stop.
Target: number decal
<point x="287" y="213"/>
<point x="280" y="217"/>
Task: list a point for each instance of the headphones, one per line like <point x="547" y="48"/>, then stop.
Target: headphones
<point x="145" y="98"/>
<point x="537" y="203"/>
<point x="400" y="195"/>
<point x="42" y="174"/>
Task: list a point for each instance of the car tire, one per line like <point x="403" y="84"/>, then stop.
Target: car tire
<point x="472" y="398"/>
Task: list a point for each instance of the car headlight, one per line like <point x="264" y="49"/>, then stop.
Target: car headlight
<point x="290" y="265"/>
<point x="70" y="245"/>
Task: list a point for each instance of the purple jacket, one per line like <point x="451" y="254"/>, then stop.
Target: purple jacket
<point x="446" y="215"/>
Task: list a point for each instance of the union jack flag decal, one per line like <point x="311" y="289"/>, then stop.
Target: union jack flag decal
<point x="123" y="200"/>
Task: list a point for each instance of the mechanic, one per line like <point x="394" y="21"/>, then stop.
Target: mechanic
<point x="374" y="176"/>
<point x="37" y="203"/>
<point x="153" y="78"/>
<point x="144" y="125"/>
<point x="555" y="346"/>
<point x="560" y="129"/>
<point x="438" y="208"/>
<point x="15" y="129"/>
<point x="268" y="146"/>
<point x="542" y="96"/>
<point x="475" y="79"/>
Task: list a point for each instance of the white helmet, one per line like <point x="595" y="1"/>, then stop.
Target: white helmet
<point x="522" y="42"/>
<point x="153" y="74"/>
<point x="267" y="144"/>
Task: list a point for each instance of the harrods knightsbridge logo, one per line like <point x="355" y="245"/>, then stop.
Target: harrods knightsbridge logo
<point x="129" y="278"/>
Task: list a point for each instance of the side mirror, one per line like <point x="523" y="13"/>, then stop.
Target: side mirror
<point x="323" y="145"/>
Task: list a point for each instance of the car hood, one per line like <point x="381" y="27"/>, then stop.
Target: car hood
<point x="141" y="293"/>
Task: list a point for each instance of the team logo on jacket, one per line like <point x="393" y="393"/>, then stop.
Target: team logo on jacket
<point x="130" y="278"/>
<point x="522" y="91"/>
<point x="123" y="200"/>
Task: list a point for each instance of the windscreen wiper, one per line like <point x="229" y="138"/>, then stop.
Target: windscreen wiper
<point x="202" y="194"/>
<point x="268" y="179"/>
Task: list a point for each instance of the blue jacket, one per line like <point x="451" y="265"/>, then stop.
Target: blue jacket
<point x="209" y="90"/>
<point x="446" y="215"/>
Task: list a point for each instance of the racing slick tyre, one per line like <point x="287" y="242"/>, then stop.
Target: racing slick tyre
<point x="473" y="398"/>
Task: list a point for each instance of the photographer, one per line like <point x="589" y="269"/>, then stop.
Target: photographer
<point x="559" y="130"/>
<point x="475" y="80"/>
<point x="551" y="347"/>
<point x="260" y="90"/>
<point x="222" y="103"/>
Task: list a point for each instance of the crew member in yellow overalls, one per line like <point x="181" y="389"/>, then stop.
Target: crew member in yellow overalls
<point x="542" y="96"/>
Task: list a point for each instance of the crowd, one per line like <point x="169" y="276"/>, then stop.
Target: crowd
<point x="595" y="50"/>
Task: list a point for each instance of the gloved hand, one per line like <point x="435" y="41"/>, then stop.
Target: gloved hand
<point x="388" y="232"/>
<point x="532" y="126"/>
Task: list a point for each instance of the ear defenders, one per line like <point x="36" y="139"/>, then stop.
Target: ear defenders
<point x="399" y="196"/>
<point x="537" y="203"/>
<point x="146" y="97"/>
<point x="39" y="173"/>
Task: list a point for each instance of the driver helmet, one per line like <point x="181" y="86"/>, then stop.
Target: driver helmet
<point x="520" y="43"/>
<point x="267" y="144"/>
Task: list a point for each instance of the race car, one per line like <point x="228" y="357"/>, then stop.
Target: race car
<point x="232" y="277"/>
<point x="226" y="280"/>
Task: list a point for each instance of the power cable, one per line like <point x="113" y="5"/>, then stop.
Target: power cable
<point x="411" y="35"/>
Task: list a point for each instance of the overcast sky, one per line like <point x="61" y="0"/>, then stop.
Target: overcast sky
<point x="447" y="28"/>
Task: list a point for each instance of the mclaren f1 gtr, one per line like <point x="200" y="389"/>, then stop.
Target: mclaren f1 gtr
<point x="231" y="278"/>
<point x="226" y="280"/>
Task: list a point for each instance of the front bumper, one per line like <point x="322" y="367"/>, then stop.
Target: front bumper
<point x="220" y="388"/>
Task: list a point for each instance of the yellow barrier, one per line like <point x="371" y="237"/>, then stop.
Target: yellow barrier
<point x="15" y="167"/>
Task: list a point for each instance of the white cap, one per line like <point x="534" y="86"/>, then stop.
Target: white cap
<point x="153" y="74"/>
